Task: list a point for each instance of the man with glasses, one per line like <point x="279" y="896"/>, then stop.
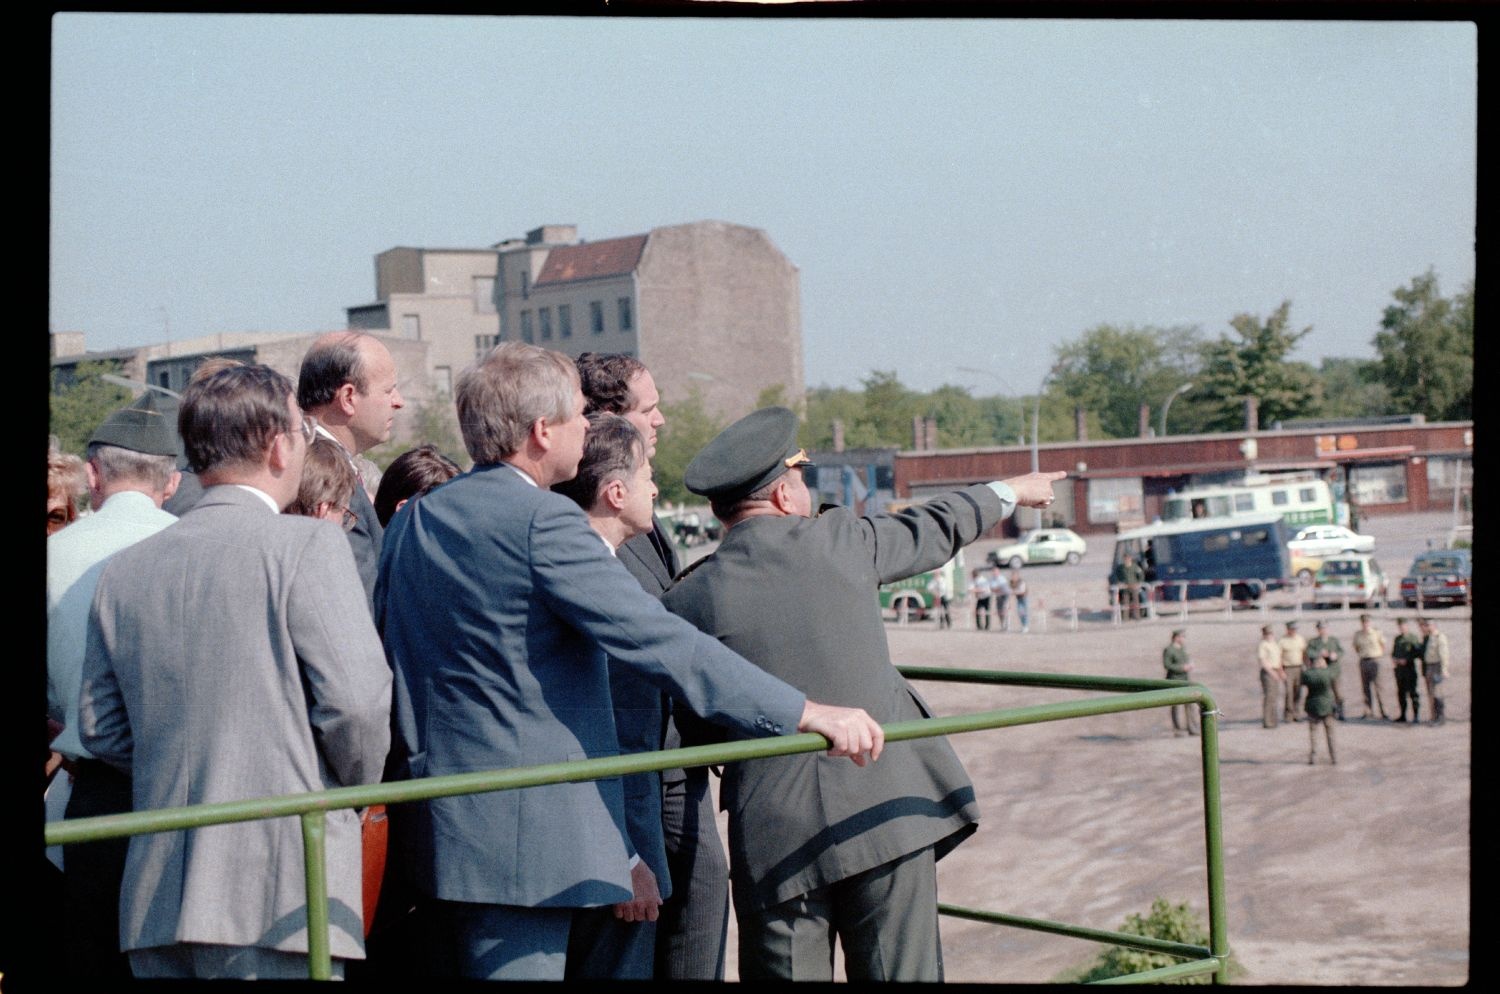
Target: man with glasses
<point x="348" y="382"/>
<point x="815" y="852"/>
<point x="229" y="657"/>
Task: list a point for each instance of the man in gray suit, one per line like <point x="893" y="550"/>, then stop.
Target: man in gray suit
<point x="813" y="853"/>
<point x="348" y="383"/>
<point x="231" y="656"/>
<point x="694" y="922"/>
<point x="499" y="605"/>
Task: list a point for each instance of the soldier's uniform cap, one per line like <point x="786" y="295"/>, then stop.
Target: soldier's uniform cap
<point x="1321" y="625"/>
<point x="746" y="456"/>
<point x="1291" y="624"/>
<point x="1266" y="629"/>
<point x="141" y="427"/>
<point x="1178" y="631"/>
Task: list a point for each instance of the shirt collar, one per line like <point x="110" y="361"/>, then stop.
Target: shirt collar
<point x="270" y="502"/>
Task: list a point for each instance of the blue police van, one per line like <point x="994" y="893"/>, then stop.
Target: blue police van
<point x="1248" y="550"/>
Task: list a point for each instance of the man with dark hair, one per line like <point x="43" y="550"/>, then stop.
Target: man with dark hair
<point x="198" y="639"/>
<point x="1174" y="659"/>
<point x="348" y="383"/>
<point x="1406" y="652"/>
<point x="131" y="471"/>
<point x="499" y="606"/>
<point x="614" y="488"/>
<point x="694" y="925"/>
<point x="815" y="853"/>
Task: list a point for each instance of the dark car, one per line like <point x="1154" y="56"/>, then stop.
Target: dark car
<point x="1439" y="575"/>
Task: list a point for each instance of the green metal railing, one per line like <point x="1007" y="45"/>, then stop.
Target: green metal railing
<point x="1128" y="695"/>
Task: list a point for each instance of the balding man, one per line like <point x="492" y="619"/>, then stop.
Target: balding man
<point x="499" y="606"/>
<point x="348" y="383"/>
<point x="131" y="471"/>
<point x="815" y="853"/>
<point x="693" y="928"/>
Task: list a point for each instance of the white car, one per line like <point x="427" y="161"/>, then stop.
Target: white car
<point x="1329" y="540"/>
<point x="1042" y="545"/>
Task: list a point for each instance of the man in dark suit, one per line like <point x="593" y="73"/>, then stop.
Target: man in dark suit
<point x="813" y="853"/>
<point x="230" y="657"/>
<point x="348" y="383"/>
<point x="499" y="605"/>
<point x="694" y="922"/>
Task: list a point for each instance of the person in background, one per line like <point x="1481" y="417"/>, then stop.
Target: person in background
<point x="1369" y="645"/>
<point x="1405" y="654"/>
<point x="66" y="483"/>
<point x="1000" y="592"/>
<point x="1434" y="665"/>
<point x="1293" y="655"/>
<point x="1328" y="646"/>
<point x="979" y="587"/>
<point x="942" y="596"/>
<point x="1317" y="677"/>
<point x="410" y="475"/>
<point x="1018" y="591"/>
<point x="1175" y="660"/>
<point x="1272" y="677"/>
<point x="1129" y="578"/>
<point x="328" y="483"/>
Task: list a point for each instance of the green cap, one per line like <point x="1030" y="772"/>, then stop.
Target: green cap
<point x="746" y="456"/>
<point x="141" y="427"/>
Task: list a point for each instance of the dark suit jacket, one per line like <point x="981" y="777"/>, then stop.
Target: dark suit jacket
<point x="798" y="596"/>
<point x="364" y="539"/>
<point x="498" y="605"/>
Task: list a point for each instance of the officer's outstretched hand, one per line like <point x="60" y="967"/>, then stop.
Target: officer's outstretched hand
<point x="1035" y="489"/>
<point x="850" y="731"/>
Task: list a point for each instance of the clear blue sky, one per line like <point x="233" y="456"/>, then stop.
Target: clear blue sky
<point x="954" y="192"/>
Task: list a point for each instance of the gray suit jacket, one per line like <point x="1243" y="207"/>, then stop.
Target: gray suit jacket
<point x="498" y="605"/>
<point x="229" y="657"/>
<point x="798" y="596"/>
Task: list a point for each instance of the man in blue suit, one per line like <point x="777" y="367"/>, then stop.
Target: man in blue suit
<point x="498" y="605"/>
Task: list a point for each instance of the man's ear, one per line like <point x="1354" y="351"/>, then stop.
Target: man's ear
<point x="278" y="455"/>
<point x="540" y="434"/>
<point x="343" y="399"/>
<point x="613" y="495"/>
<point x="172" y="484"/>
<point x="781" y="495"/>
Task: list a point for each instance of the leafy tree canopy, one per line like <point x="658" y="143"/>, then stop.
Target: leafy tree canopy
<point x="79" y="407"/>
<point x="1253" y="362"/>
<point x="1426" y="349"/>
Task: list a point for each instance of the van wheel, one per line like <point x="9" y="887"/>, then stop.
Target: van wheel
<point x="1305" y="577"/>
<point x="1015" y="562"/>
<point x="908" y="609"/>
<point x="1073" y="558"/>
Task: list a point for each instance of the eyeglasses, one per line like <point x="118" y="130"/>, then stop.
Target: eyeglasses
<point x="309" y="428"/>
<point x="348" y="520"/>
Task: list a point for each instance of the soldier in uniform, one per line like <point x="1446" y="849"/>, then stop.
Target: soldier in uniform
<point x="1369" y="645"/>
<point x="1434" y="665"/>
<point x="1318" y="678"/>
<point x="1293" y="651"/>
<point x="816" y="854"/>
<point x="1130" y="578"/>
<point x="1328" y="647"/>
<point x="1272" y="676"/>
<point x="1175" y="658"/>
<point x="1404" y="655"/>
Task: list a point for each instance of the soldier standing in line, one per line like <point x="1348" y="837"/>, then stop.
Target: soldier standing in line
<point x="1272" y="676"/>
<point x="1404" y="654"/>
<point x="1130" y="578"/>
<point x="1328" y="647"/>
<point x="1434" y="665"/>
<point x="1293" y="651"/>
<point x="1318" y="677"/>
<point x="1369" y="645"/>
<point x="1175" y="658"/>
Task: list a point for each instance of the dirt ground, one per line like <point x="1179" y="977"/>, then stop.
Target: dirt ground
<point x="1349" y="874"/>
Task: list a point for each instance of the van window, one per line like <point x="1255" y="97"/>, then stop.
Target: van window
<point x="1244" y="502"/>
<point x="1308" y="495"/>
<point x="1161" y="551"/>
<point x="1280" y="498"/>
<point x="1215" y="543"/>
<point x="1257" y="536"/>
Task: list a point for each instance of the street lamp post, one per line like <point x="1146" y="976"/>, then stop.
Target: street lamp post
<point x="1167" y="405"/>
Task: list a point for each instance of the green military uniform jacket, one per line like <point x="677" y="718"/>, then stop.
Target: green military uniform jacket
<point x="1406" y="648"/>
<point x="798" y="597"/>
<point x="1319" y="683"/>
<point x="1175" y="659"/>
<point x="1316" y="646"/>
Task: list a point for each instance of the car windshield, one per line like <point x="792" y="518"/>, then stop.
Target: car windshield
<point x="1437" y="564"/>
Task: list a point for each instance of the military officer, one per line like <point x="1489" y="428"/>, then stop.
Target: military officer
<point x="1175" y="659"/>
<point x="1434" y="665"/>
<point x="1328" y="647"/>
<point x="1369" y="645"/>
<point x="1293" y="652"/>
<point x="1405" y="653"/>
<point x="1129" y="577"/>
<point x="816" y="854"/>
<point x="1317" y="676"/>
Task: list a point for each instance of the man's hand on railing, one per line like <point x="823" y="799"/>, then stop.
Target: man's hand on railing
<point x="646" y="904"/>
<point x="850" y="731"/>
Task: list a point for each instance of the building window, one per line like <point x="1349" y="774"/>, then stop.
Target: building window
<point x="1115" y="499"/>
<point x="442" y="380"/>
<point x="484" y="294"/>
<point x="564" y="321"/>
<point x="525" y="283"/>
<point x="411" y="326"/>
<point x="526" y="335"/>
<point x="483" y="344"/>
<point x="596" y="316"/>
<point x="546" y="322"/>
<point x="624" y="313"/>
<point x="1443" y="472"/>
<point x="164" y="379"/>
<point x="1379" y="484"/>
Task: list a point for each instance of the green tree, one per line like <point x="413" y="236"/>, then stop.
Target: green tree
<point x="690" y="426"/>
<point x="77" y="408"/>
<point x="433" y="421"/>
<point x="1352" y="389"/>
<point x="1113" y="370"/>
<point x="1255" y="364"/>
<point x="1175" y="923"/>
<point x="1426" y="349"/>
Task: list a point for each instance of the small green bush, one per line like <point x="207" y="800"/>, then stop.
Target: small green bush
<point x="1175" y="923"/>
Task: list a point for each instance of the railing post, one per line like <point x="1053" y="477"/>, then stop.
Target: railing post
<point x="1228" y="599"/>
<point x="1074" y="626"/>
<point x="1117" y="612"/>
<point x="1182" y="599"/>
<point x="314" y="834"/>
<point x="1213" y="827"/>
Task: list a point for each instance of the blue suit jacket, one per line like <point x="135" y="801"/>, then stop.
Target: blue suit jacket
<point x="498" y="605"/>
